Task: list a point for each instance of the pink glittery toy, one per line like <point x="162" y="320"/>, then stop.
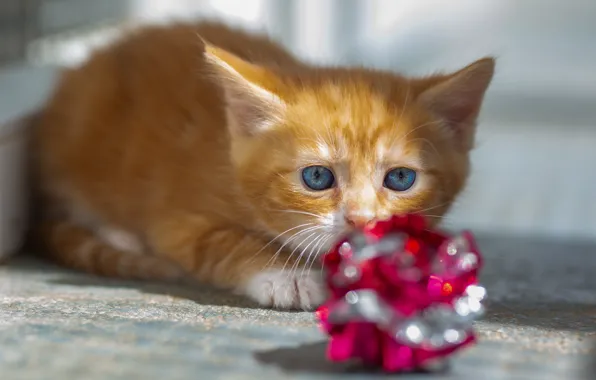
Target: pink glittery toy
<point x="402" y="297"/>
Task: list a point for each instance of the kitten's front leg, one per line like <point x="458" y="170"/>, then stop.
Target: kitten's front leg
<point x="232" y="258"/>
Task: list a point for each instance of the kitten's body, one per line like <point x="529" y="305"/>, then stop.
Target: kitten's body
<point x="157" y="160"/>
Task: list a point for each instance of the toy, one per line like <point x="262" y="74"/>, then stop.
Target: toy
<point x="402" y="297"/>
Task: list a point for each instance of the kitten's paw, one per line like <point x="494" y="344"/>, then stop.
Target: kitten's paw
<point x="287" y="290"/>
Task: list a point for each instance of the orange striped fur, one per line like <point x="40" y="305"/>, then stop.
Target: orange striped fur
<point x="178" y="151"/>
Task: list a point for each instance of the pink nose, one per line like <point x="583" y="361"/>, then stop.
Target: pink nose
<point x="359" y="221"/>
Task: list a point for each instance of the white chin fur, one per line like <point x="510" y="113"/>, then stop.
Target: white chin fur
<point x="286" y="289"/>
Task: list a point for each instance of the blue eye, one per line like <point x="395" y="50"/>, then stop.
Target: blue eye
<point x="399" y="179"/>
<point x="318" y="178"/>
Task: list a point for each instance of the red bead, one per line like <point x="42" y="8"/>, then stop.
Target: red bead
<point x="412" y="246"/>
<point x="446" y="289"/>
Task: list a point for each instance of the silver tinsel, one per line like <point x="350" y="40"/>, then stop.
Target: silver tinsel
<point x="437" y="327"/>
<point x="358" y="249"/>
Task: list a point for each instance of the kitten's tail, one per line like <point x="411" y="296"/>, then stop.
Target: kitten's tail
<point x="78" y="248"/>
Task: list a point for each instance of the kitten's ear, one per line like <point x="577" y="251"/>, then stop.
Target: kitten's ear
<point x="249" y="90"/>
<point x="458" y="97"/>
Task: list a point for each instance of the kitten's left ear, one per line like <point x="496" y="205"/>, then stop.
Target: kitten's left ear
<point x="250" y="92"/>
<point x="458" y="97"/>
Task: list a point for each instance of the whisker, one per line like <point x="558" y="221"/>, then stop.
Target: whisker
<point x="394" y="142"/>
<point x="297" y="247"/>
<point x="435" y="216"/>
<point x="427" y="142"/>
<point x="433" y="207"/>
<point x="438" y="217"/>
<point x="321" y="244"/>
<point x="298" y="212"/>
<point x="403" y="107"/>
<point x="295" y="266"/>
<point x="330" y="136"/>
<point x="277" y="237"/>
<point x="308" y="139"/>
<point x="332" y="235"/>
<point x="290" y="239"/>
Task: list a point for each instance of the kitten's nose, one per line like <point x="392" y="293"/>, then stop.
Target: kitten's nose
<point x="359" y="221"/>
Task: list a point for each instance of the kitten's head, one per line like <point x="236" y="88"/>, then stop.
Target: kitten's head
<point x="320" y="151"/>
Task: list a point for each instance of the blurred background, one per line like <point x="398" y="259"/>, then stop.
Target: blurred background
<point x="535" y="162"/>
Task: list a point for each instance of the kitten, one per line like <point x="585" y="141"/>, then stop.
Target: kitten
<point x="207" y="151"/>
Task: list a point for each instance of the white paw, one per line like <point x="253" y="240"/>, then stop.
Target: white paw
<point x="120" y="240"/>
<point x="286" y="289"/>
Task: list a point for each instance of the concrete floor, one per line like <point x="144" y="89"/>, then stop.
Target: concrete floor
<point x="55" y="324"/>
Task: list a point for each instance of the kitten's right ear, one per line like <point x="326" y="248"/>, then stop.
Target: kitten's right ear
<point x="252" y="102"/>
<point x="457" y="98"/>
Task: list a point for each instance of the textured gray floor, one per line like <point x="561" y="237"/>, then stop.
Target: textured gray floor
<point x="55" y="324"/>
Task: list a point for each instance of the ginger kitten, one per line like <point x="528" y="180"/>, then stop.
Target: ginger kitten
<point x="206" y="151"/>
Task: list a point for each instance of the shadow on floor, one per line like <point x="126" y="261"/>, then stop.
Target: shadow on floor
<point x="311" y="358"/>
<point x="201" y="294"/>
<point x="304" y="358"/>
